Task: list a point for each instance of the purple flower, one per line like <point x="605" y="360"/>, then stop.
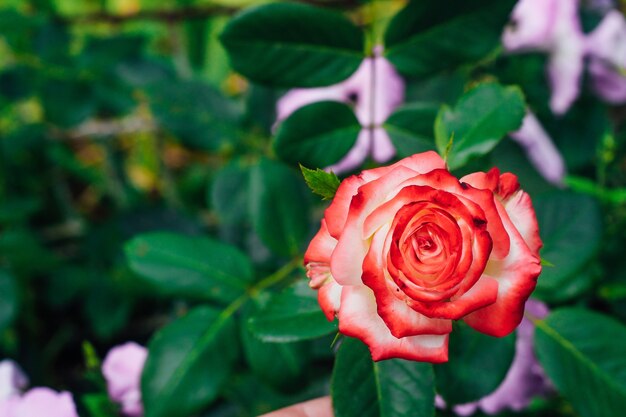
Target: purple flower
<point x="540" y="150"/>
<point x="525" y="378"/>
<point x="39" y="402"/>
<point x="375" y="90"/>
<point x="122" y="369"/>
<point x="606" y="47"/>
<point x="12" y="379"/>
<point x="551" y="26"/>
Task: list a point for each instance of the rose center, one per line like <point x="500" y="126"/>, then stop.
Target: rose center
<point x="425" y="244"/>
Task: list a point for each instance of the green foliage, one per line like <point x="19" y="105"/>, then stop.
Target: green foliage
<point x="427" y="37"/>
<point x="279" y="207"/>
<point x="570" y="226"/>
<point x="302" y="139"/>
<point x="321" y="182"/>
<point x="476" y="365"/>
<point x="582" y="352"/>
<point x="293" y="45"/>
<point x="189" y="361"/>
<point x="480" y="119"/>
<point x="195" y="113"/>
<point x="230" y="193"/>
<point x="393" y="387"/>
<point x="290" y="316"/>
<point x="280" y="364"/>
<point x="411" y="128"/>
<point x="8" y="299"/>
<point x="195" y="267"/>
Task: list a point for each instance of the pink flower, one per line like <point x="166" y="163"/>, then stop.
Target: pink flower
<point x="122" y="369"/>
<point x="552" y="26"/>
<point x="39" y="402"/>
<point x="403" y="250"/>
<point x="525" y="378"/>
<point x="540" y="150"/>
<point x="12" y="379"/>
<point x="606" y="47"/>
<point x="375" y="90"/>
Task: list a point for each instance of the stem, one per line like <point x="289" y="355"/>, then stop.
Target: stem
<point x="221" y="319"/>
<point x="274" y="278"/>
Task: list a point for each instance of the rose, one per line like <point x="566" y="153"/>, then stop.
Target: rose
<point x="122" y="370"/>
<point x="403" y="250"/>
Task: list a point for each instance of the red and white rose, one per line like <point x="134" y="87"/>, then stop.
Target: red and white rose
<point x="406" y="249"/>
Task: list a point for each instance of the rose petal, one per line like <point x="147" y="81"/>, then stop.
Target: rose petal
<point x="516" y="276"/>
<point x="346" y="262"/>
<point x="329" y="298"/>
<point x="401" y="320"/>
<point x="484" y="293"/>
<point x="321" y="247"/>
<point x="337" y="213"/>
<point x="522" y="214"/>
<point x="358" y="318"/>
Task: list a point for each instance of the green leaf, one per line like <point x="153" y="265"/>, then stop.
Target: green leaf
<point x="67" y="102"/>
<point x="16" y="82"/>
<point x="99" y="405"/>
<point x="411" y="128"/>
<point x="394" y="387"/>
<point x="570" y="225"/>
<point x="8" y="299"/>
<point x="476" y="366"/>
<point x="280" y="364"/>
<point x="429" y="36"/>
<point x="318" y="135"/>
<point x="188" y="362"/>
<point x="279" y="207"/>
<point x="196" y="267"/>
<point x="229" y="192"/>
<point x="480" y="119"/>
<point x="292" y="315"/>
<point x="582" y="352"/>
<point x="293" y="45"/>
<point x="321" y="182"/>
<point x="197" y="114"/>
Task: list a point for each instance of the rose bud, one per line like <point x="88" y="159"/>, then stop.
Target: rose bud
<point x="404" y="250"/>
